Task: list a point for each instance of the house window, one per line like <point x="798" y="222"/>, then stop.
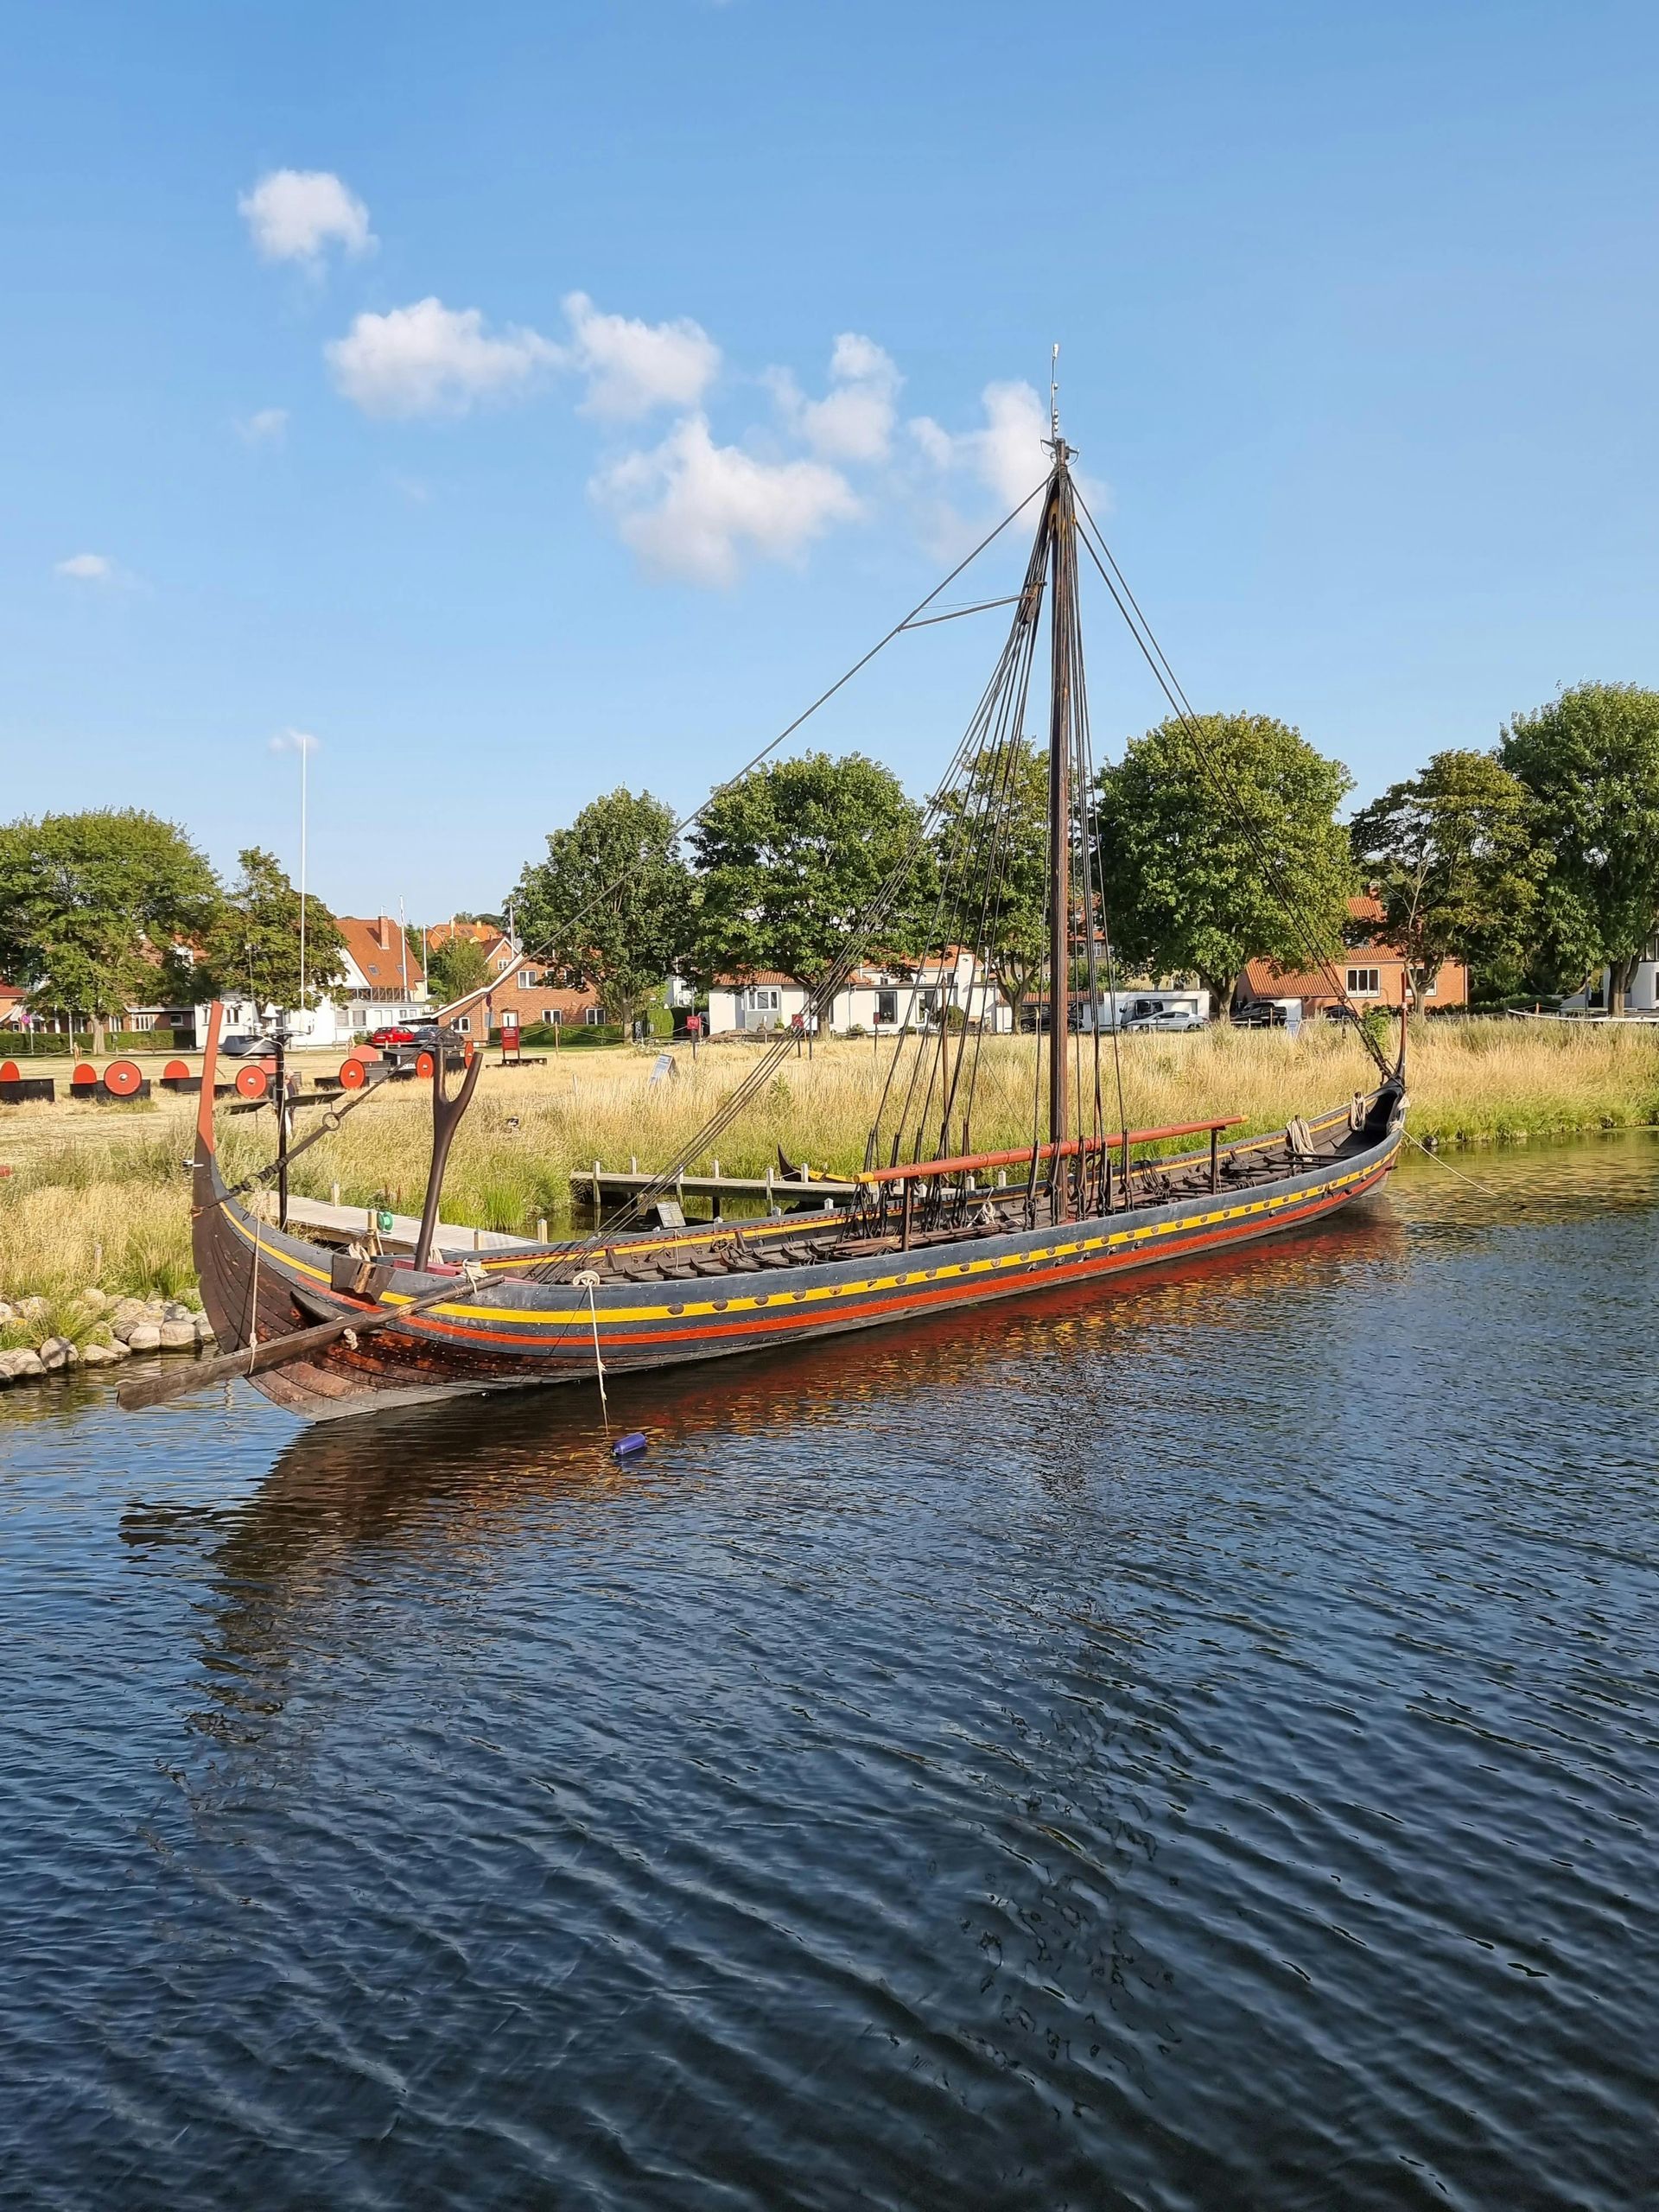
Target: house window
<point x="464" y="1023"/>
<point x="1432" y="989"/>
<point x="553" y="1018"/>
<point x="590" y="1015"/>
<point x="761" y="998"/>
<point x="527" y="979"/>
<point x="886" y="1006"/>
<point x="1363" y="983"/>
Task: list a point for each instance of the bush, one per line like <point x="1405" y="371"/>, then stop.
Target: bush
<point x="540" y="1036"/>
<point x="146" y="1040"/>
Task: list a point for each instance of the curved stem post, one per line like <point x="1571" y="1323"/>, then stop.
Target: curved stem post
<point x="446" y="1117"/>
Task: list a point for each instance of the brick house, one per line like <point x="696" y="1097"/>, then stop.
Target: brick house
<point x="535" y="991"/>
<point x="1373" y="971"/>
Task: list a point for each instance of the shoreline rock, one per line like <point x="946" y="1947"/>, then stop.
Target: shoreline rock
<point x="119" y="1328"/>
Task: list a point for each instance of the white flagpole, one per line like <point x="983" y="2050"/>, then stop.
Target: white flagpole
<point x="305" y="751"/>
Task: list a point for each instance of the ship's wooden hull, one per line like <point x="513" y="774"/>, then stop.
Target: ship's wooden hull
<point x="501" y="1331"/>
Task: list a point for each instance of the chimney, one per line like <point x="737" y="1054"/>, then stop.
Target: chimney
<point x="384" y="933"/>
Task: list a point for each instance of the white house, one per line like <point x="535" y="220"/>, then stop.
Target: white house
<point x="1642" y="996"/>
<point x="384" y="985"/>
<point x="894" y="997"/>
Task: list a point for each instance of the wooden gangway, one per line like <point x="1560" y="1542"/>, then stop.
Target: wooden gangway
<point x="338" y="1224"/>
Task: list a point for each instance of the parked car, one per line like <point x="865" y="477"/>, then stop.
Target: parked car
<point x="392" y="1034"/>
<point x="240" y="1046"/>
<point x="1167" y="1018"/>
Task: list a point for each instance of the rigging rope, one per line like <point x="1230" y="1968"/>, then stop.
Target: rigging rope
<point x="994" y="729"/>
<point x="548" y="952"/>
<point x="1153" y="653"/>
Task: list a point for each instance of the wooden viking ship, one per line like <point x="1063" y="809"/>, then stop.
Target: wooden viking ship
<point x="938" y="1227"/>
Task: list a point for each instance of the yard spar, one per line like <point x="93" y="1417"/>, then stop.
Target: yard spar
<point x="936" y="1227"/>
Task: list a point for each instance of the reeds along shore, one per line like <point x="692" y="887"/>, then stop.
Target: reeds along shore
<point x="92" y="1201"/>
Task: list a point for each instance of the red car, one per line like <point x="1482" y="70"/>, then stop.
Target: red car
<point x="393" y="1036"/>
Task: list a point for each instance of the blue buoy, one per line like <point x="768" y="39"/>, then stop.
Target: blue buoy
<point x="626" y="1446"/>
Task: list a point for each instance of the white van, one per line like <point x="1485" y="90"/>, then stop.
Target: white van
<point x="1145" y="1009"/>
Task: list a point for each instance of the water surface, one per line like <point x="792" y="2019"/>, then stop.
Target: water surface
<point x="1190" y="1749"/>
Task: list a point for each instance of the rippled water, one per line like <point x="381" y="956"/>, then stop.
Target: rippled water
<point x="1197" y="1748"/>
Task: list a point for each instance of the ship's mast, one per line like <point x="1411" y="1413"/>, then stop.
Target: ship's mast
<point x="1062" y="618"/>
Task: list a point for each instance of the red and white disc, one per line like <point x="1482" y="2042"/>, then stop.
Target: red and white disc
<point x="122" y="1077"/>
<point x="252" y="1081"/>
<point x="352" y="1076"/>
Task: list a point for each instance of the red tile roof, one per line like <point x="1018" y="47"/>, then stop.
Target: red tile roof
<point x="376" y="947"/>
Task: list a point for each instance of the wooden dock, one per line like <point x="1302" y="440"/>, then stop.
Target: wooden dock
<point x="603" y="1186"/>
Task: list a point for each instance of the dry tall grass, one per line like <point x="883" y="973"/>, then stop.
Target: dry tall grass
<point x="85" y="1207"/>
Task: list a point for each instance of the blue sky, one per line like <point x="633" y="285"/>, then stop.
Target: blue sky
<point x="595" y="381"/>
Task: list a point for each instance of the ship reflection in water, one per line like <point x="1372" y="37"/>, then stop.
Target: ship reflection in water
<point x="1194" y="1747"/>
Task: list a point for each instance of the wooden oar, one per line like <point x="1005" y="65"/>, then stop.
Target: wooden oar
<point x="275" y="1351"/>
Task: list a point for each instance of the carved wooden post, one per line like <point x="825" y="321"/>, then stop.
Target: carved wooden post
<point x="446" y="1116"/>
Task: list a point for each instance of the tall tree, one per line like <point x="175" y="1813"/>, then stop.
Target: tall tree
<point x="90" y="905"/>
<point x="1450" y="854"/>
<point x="457" y="966"/>
<point x="1591" y="760"/>
<point x="790" y="856"/>
<point x="253" y="946"/>
<point x="611" y="900"/>
<point x="1183" y="828"/>
<point x="994" y="832"/>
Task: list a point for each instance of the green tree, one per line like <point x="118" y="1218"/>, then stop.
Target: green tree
<point x="1183" y="826"/>
<point x="90" y="905"/>
<point x="1450" y="854"/>
<point x="994" y="831"/>
<point x="791" y="857"/>
<point x="456" y="966"/>
<point x="1591" y="761"/>
<point x="253" y="946"/>
<point x="611" y="900"/>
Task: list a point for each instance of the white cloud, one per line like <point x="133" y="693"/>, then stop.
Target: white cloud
<point x="431" y="360"/>
<point x="88" y="568"/>
<point x="292" y="214"/>
<point x="1007" y="453"/>
<point x="690" y="508"/>
<point x="633" y="366"/>
<point x="1005" y="456"/>
<point x="854" y="419"/>
<point x="295" y="740"/>
<point x="266" y="427"/>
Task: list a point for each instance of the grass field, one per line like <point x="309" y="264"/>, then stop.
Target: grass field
<point x="96" y="1193"/>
